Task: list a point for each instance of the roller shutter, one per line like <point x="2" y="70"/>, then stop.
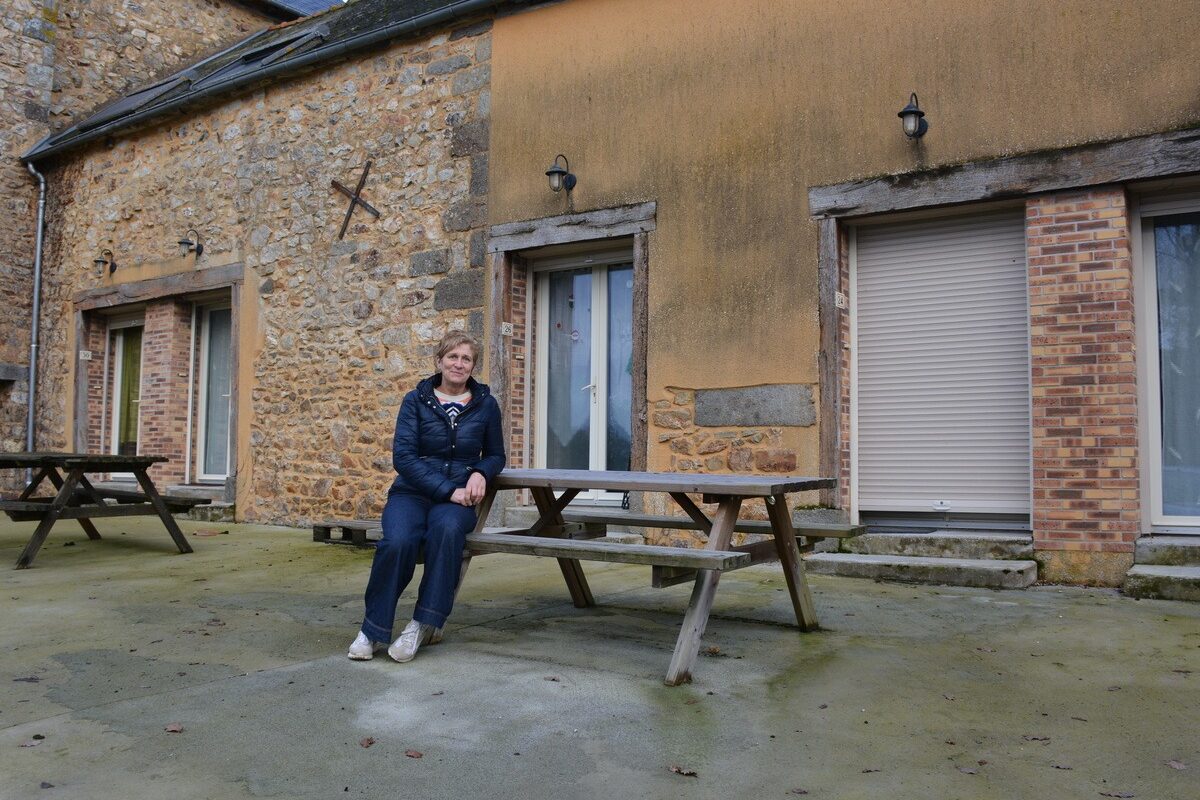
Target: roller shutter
<point x="943" y="365"/>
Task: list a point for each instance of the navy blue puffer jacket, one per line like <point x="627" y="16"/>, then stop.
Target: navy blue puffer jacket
<point x="434" y="456"/>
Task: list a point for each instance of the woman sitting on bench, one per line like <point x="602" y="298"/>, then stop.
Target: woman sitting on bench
<point x="448" y="446"/>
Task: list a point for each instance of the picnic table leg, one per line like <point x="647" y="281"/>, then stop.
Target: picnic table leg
<point x="155" y="500"/>
<point x="577" y="585"/>
<point x="84" y="522"/>
<point x="793" y="567"/>
<point x="695" y="619"/>
<point x="481" y="514"/>
<point x="41" y="475"/>
<point x="48" y="519"/>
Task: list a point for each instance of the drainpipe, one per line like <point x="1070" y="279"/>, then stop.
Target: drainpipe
<point x="37" y="309"/>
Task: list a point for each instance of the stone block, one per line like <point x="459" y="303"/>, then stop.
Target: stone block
<point x="479" y="175"/>
<point x="478" y="249"/>
<point x="775" y="461"/>
<point x="430" y="262"/>
<point x="472" y="80"/>
<point x="474" y="29"/>
<point x="464" y="215"/>
<point x="470" y="138"/>
<point x="464" y="290"/>
<point x="445" y="66"/>
<point x="778" y="404"/>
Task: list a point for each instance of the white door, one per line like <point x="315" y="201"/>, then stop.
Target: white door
<point x="584" y="370"/>
<point x="940" y="390"/>
<point x="1169" y="297"/>
<point x="215" y="361"/>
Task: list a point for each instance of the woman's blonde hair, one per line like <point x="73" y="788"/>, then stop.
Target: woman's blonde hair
<point x="454" y="339"/>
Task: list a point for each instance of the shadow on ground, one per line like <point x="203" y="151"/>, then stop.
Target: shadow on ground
<point x="908" y="692"/>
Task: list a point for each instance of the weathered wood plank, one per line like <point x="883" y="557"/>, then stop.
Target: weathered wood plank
<point x="604" y="223"/>
<point x="143" y="479"/>
<point x="641" y="324"/>
<point x="793" y="567"/>
<point x="599" y="550"/>
<point x="812" y="530"/>
<point x="50" y="516"/>
<point x="79" y="375"/>
<point x="742" y="485"/>
<point x="572" y="570"/>
<point x="1156" y="156"/>
<point x="235" y="334"/>
<point x="829" y="357"/>
<point x="499" y="310"/>
<point x="195" y="280"/>
<point x="88" y="462"/>
<point x="698" y="517"/>
<point x="759" y="552"/>
<point x="695" y="619"/>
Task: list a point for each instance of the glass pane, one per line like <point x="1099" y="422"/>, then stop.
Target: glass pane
<point x="569" y="347"/>
<point x="620" y="366"/>
<point x="216" y="401"/>
<point x="1177" y="259"/>
<point x="129" y="391"/>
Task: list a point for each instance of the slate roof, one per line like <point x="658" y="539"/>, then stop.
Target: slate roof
<point x="263" y="56"/>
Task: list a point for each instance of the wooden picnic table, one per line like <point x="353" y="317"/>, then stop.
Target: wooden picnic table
<point x="548" y="537"/>
<point x="78" y="499"/>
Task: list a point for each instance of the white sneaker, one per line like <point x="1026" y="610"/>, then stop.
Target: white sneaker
<point x="362" y="648"/>
<point x="411" y="638"/>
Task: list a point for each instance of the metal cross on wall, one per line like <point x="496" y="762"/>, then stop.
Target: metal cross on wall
<point x="355" y="199"/>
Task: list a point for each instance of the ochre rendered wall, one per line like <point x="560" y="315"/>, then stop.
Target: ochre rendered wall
<point x="725" y="113"/>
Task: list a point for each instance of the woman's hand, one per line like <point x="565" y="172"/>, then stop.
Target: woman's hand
<point x="472" y="493"/>
<point x="476" y="488"/>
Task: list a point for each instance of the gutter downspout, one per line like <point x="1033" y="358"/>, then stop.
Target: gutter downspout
<point x="37" y="309"/>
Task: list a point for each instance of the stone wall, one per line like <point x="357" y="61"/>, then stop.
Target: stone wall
<point x="26" y="79"/>
<point x="332" y="332"/>
<point x="696" y="431"/>
<point x="59" y="59"/>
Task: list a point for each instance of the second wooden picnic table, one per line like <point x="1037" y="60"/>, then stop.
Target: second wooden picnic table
<point x="76" y="498"/>
<point x="554" y="489"/>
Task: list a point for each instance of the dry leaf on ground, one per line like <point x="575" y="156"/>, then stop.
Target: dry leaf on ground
<point x="1173" y="764"/>
<point x="174" y="727"/>
<point x="678" y="770"/>
<point x="367" y="742"/>
<point x="414" y="754"/>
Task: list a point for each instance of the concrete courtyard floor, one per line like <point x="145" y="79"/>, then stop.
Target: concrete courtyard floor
<point x="908" y="692"/>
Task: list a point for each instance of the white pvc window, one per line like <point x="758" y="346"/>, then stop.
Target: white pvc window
<point x="216" y="352"/>
<point x="584" y="364"/>
<point x="1167" y="243"/>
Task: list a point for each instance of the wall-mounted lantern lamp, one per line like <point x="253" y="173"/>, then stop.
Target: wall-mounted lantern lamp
<point x="913" y="118"/>
<point x="105" y="259"/>
<point x="191" y="242"/>
<point x="560" y="176"/>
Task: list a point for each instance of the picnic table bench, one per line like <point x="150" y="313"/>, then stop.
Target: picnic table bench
<point x="574" y="535"/>
<point x="76" y="498"/>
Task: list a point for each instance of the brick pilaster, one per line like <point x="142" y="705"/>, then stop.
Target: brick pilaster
<point x="165" y="352"/>
<point x="1085" y="457"/>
